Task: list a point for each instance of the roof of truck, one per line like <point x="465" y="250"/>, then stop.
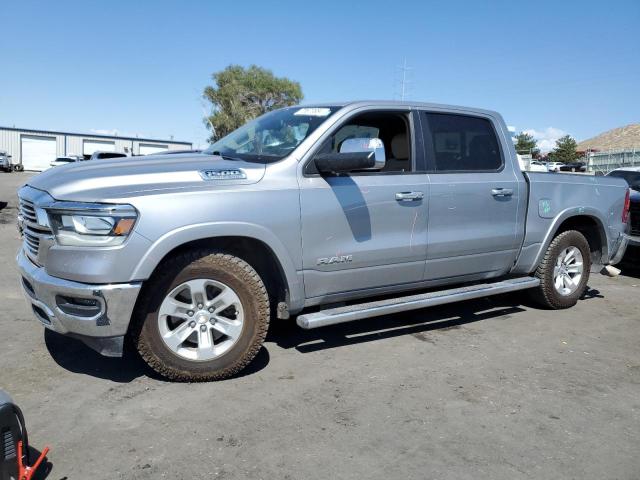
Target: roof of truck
<point x="406" y="104"/>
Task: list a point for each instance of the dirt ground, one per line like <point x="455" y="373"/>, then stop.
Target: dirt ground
<point x="493" y="389"/>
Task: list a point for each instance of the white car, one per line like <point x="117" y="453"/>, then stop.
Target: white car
<point x="536" y="166"/>
<point x="65" y="160"/>
<point x="554" y="166"/>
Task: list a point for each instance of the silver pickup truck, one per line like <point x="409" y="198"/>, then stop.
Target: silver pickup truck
<point x="331" y="213"/>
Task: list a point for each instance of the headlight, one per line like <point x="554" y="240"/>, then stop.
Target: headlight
<point x="91" y="224"/>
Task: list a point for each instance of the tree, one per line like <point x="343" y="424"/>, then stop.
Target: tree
<point x="565" y="150"/>
<point x="241" y="94"/>
<point x="526" y="144"/>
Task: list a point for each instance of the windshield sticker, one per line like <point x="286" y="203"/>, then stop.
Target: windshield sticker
<point x="314" y="112"/>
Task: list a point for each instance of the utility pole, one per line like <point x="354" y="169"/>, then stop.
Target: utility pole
<point x="404" y="80"/>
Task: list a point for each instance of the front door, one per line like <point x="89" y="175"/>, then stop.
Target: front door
<point x="364" y="230"/>
<point x="474" y="198"/>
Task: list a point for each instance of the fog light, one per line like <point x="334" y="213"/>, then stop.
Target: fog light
<point x="77" y="306"/>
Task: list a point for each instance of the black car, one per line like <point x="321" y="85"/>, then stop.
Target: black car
<point x="574" y="167"/>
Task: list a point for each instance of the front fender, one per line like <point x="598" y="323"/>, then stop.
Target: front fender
<point x="189" y="233"/>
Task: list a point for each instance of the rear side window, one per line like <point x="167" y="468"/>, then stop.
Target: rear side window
<point x="460" y="143"/>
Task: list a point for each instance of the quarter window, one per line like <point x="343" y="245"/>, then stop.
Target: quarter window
<point x="461" y="143"/>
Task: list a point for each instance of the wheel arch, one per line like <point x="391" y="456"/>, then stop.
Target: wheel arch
<point x="586" y="222"/>
<point x="254" y="244"/>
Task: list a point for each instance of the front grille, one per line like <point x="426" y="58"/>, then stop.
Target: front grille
<point x="28" y="211"/>
<point x="32" y="231"/>
<point x="634" y="218"/>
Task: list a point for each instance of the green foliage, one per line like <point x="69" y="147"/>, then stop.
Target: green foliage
<point x="565" y="150"/>
<point x="241" y="94"/>
<point x="526" y="144"/>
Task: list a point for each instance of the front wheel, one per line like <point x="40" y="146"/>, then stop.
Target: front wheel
<point x="203" y="318"/>
<point x="564" y="271"/>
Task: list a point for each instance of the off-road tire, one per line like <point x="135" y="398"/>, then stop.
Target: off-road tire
<point x="215" y="265"/>
<point x="545" y="294"/>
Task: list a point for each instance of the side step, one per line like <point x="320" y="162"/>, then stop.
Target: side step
<point x="359" y="311"/>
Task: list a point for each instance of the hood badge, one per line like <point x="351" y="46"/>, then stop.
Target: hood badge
<point x="223" y="174"/>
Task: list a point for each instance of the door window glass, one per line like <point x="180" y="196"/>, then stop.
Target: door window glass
<point x="461" y="143"/>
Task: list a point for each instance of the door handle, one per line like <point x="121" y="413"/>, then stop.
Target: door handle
<point x="502" y="192"/>
<point x="409" y="196"/>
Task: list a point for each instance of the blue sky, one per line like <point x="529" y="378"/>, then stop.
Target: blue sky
<point x="140" y="67"/>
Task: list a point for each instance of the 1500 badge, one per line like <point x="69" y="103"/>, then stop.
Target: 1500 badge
<point x="332" y="260"/>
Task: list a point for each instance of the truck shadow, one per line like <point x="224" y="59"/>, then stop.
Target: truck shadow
<point x="415" y="323"/>
<point x="76" y="357"/>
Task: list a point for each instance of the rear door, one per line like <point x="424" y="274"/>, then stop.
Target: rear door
<point x="474" y="197"/>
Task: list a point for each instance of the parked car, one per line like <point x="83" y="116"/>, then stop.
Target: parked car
<point x="5" y="161"/>
<point x="537" y="166"/>
<point x="632" y="176"/>
<point x="554" y="166"/>
<point x="98" y="155"/>
<point x="369" y="206"/>
<point x="66" y="160"/>
<point x="573" y="167"/>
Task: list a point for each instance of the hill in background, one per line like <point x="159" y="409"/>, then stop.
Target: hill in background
<point x="623" y="138"/>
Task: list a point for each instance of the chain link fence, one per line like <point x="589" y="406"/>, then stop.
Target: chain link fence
<point x="604" y="162"/>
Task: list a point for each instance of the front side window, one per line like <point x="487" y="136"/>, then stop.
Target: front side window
<point x="272" y="136"/>
<point x="392" y="129"/>
<point x="461" y="143"/>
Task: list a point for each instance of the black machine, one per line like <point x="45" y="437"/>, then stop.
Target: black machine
<point x="12" y="431"/>
<point x="14" y="444"/>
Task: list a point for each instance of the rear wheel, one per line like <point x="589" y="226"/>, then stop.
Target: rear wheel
<point x="564" y="271"/>
<point x="18" y="167"/>
<point x="203" y="318"/>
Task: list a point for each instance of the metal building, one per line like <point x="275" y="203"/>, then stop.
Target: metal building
<point x="36" y="149"/>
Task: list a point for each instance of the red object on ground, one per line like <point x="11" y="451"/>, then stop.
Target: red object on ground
<point x="26" y="472"/>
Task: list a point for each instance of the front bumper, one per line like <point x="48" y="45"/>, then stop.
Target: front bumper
<point x="61" y="305"/>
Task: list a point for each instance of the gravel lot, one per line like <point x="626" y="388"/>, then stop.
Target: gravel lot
<point x="484" y="389"/>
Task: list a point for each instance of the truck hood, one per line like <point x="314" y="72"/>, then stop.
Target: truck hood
<point x="110" y="179"/>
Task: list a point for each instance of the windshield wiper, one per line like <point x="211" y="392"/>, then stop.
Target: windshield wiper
<point x="226" y="157"/>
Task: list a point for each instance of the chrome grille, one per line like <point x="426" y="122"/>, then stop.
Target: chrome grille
<point x="32" y="231"/>
<point x="634" y="218"/>
<point x="31" y="242"/>
<point x="28" y="211"/>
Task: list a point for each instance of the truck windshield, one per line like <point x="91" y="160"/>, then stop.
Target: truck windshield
<point x="272" y="136"/>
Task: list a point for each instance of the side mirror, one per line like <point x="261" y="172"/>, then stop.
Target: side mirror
<point x="355" y="154"/>
<point x="344" y="162"/>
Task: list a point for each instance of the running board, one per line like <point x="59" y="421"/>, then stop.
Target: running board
<point x="359" y="311"/>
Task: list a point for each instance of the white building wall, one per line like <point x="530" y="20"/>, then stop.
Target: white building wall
<point x="10" y="142"/>
<point x="71" y="143"/>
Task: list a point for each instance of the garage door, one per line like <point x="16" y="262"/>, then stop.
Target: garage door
<point x="150" y="149"/>
<point x="37" y="153"/>
<point x="90" y="146"/>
